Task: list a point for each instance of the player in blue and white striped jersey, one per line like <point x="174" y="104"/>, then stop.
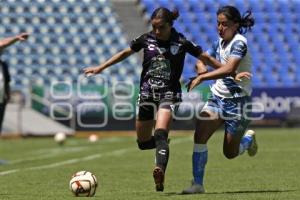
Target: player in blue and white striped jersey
<point x="230" y="103"/>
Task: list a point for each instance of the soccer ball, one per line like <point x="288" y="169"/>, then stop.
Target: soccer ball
<point x="83" y="184"/>
<point x="93" y="138"/>
<point x="60" y="137"/>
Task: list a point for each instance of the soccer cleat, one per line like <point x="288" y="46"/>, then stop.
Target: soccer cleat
<point x="252" y="150"/>
<point x="194" y="189"/>
<point x="159" y="177"/>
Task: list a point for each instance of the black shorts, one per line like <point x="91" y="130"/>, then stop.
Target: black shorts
<point x="148" y="105"/>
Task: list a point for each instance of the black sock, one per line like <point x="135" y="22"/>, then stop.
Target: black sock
<point x="162" y="148"/>
<point x="150" y="144"/>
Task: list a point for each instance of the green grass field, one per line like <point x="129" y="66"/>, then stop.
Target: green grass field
<point x="37" y="168"/>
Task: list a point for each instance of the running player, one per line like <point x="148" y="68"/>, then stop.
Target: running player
<point x="230" y="99"/>
<point x="160" y="90"/>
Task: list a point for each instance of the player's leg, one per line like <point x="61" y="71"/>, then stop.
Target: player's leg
<point x="145" y="140"/>
<point x="2" y="112"/>
<point x="144" y="125"/>
<point x="236" y="144"/>
<point x="231" y="145"/>
<point x="164" y="118"/>
<point x="205" y="128"/>
<point x="236" y="123"/>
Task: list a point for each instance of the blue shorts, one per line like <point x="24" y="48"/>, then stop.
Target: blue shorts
<point x="234" y="111"/>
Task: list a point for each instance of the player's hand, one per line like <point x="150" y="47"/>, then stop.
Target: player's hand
<point x="242" y="75"/>
<point x="194" y="81"/>
<point x="89" y="71"/>
<point x="23" y="36"/>
<point x="188" y="85"/>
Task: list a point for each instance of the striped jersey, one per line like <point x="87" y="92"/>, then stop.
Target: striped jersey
<point x="228" y="87"/>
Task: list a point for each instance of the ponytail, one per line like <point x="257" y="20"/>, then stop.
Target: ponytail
<point x="165" y="14"/>
<point x="247" y="21"/>
<point x="175" y="14"/>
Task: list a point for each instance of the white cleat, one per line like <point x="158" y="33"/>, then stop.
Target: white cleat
<point x="252" y="150"/>
<point x="194" y="189"/>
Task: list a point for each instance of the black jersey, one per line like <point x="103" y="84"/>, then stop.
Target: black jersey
<point x="163" y="60"/>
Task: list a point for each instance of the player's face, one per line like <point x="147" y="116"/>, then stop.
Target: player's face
<point x="226" y="28"/>
<point x="161" y="29"/>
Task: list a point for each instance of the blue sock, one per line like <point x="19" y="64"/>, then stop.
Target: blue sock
<point x="245" y="143"/>
<point x="199" y="161"/>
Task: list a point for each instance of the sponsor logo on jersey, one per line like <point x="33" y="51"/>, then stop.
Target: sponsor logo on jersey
<point x="151" y="47"/>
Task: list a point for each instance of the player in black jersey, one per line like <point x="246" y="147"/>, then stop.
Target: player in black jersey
<point x="160" y="91"/>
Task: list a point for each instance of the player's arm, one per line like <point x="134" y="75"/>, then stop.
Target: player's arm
<point x="118" y="57"/>
<point x="224" y="70"/>
<point x="197" y="52"/>
<point x="220" y="71"/>
<point x="11" y="40"/>
<point x="238" y="51"/>
<point x="200" y="67"/>
<point x="135" y="46"/>
<point x="207" y="59"/>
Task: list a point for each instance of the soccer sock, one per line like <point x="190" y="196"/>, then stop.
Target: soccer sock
<point x="200" y="155"/>
<point x="162" y="148"/>
<point x="150" y="144"/>
<point x="245" y="144"/>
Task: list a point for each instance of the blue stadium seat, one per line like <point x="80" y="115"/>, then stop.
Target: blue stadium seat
<point x="274" y="41"/>
<point x="67" y="36"/>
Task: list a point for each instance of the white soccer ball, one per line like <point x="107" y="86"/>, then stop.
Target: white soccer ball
<point x="93" y="138"/>
<point x="83" y="184"/>
<point x="60" y="137"/>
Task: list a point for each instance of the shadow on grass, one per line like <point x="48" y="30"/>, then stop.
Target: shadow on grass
<point x="234" y="192"/>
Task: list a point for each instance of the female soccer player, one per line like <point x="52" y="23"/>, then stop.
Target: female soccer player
<point x="4" y="73"/>
<point x="160" y="90"/>
<point x="230" y="101"/>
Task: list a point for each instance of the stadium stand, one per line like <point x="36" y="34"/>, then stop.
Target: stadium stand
<point x="66" y="36"/>
<point x="274" y="40"/>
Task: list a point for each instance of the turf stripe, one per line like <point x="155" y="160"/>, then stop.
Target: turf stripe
<point x="87" y="158"/>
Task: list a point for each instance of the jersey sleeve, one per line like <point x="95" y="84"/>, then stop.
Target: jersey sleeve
<point x="238" y="49"/>
<point x="212" y="51"/>
<point x="137" y="44"/>
<point x="193" y="49"/>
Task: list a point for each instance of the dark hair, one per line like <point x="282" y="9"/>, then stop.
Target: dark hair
<point x="233" y="14"/>
<point x="165" y="14"/>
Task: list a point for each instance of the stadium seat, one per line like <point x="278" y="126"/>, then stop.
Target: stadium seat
<point x="67" y="36"/>
<point x="274" y="40"/>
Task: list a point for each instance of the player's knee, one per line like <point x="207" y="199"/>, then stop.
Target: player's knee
<point x="230" y="154"/>
<point x="161" y="136"/>
<point x="145" y="145"/>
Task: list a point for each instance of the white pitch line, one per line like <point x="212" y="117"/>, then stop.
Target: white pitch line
<point x="76" y="160"/>
<point x="52" y="153"/>
<point x="118" y="152"/>
<point x="71" y="161"/>
<point x="9" y="172"/>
